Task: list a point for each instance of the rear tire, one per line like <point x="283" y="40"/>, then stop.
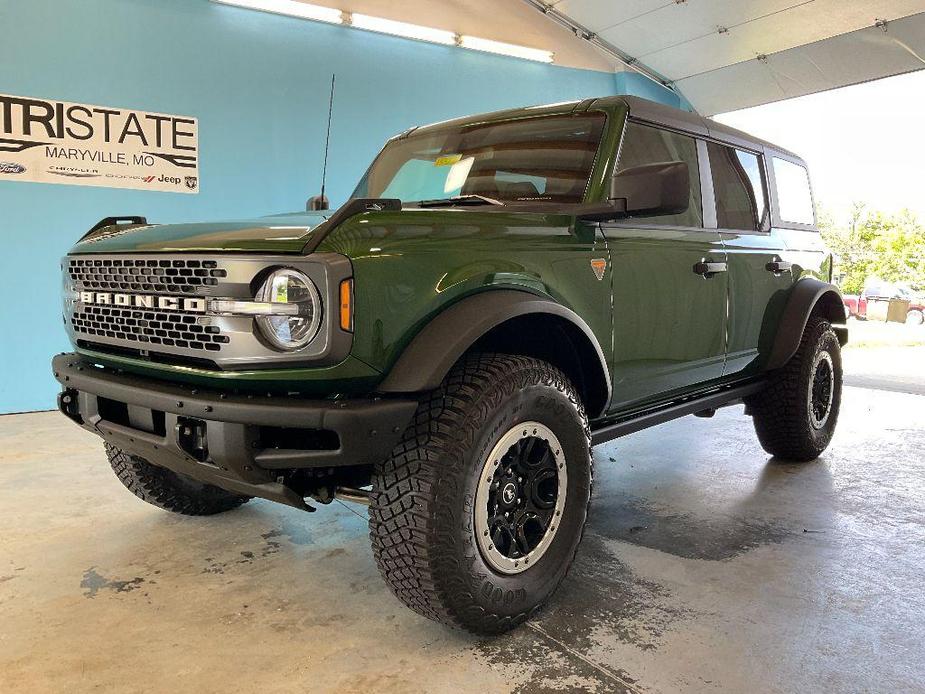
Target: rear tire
<point x="915" y="317"/>
<point x="795" y="416"/>
<point x="169" y="490"/>
<point x="441" y="502"/>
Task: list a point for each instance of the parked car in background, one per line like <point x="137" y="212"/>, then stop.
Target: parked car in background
<point x="856" y="305"/>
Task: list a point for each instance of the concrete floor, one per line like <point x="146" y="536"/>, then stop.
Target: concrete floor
<point x="899" y="369"/>
<point x="706" y="567"/>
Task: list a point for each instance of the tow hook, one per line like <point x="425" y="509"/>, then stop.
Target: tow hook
<point x="191" y="437"/>
<point x="67" y="403"/>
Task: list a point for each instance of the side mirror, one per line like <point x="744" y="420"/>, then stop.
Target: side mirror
<point x="654" y="189"/>
<point x="317" y="202"/>
<point x="644" y="191"/>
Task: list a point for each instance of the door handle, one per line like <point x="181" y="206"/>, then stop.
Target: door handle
<point x="708" y="269"/>
<point x="778" y="266"/>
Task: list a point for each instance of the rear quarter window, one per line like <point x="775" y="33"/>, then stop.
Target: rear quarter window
<point x="794" y="198"/>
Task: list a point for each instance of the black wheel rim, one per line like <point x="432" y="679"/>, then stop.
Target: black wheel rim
<point x="520" y="497"/>
<point x="821" y="390"/>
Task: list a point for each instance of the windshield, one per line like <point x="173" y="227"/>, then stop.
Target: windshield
<point x="547" y="159"/>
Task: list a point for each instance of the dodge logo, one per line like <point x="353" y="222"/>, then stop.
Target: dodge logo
<point x="168" y="303"/>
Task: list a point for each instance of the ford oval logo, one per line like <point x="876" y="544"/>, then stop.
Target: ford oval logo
<point x="8" y="167"/>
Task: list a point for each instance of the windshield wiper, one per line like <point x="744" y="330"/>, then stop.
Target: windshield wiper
<point x="460" y="200"/>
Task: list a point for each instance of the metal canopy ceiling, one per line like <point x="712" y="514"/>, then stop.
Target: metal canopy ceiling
<point x="724" y="55"/>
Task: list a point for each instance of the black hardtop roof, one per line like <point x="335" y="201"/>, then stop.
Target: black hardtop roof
<point x="654" y="112"/>
<point x="639" y="108"/>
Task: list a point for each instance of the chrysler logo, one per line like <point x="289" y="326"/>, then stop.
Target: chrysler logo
<point x="168" y="303"/>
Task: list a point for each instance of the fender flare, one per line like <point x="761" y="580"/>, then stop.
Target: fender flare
<point x="805" y="296"/>
<point x="431" y="354"/>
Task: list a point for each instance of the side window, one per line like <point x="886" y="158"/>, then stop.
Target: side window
<point x="738" y="187"/>
<point x="793" y="194"/>
<point x="642" y="145"/>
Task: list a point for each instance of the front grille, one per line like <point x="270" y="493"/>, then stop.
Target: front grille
<point x="173" y="329"/>
<point x="147" y="329"/>
<point x="173" y="276"/>
<point x="161" y="308"/>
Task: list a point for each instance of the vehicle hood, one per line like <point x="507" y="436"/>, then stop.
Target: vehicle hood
<point x="285" y="233"/>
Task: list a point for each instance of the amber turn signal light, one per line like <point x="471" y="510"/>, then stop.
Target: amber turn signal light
<point x="346" y="305"/>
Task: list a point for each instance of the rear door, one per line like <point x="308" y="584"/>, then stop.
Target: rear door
<point x="669" y="283"/>
<point x="760" y="272"/>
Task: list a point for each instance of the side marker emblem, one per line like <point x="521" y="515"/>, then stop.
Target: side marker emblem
<point x="599" y="265"/>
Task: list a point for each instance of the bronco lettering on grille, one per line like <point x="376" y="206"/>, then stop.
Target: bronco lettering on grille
<point x="168" y="303"/>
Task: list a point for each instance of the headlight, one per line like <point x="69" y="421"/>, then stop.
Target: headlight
<point x="290" y="332"/>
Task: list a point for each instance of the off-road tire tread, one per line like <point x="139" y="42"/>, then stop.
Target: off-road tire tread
<point x="160" y="487"/>
<point x="778" y="411"/>
<point x="410" y="526"/>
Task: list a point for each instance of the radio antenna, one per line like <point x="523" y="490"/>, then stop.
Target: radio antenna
<point x="327" y="142"/>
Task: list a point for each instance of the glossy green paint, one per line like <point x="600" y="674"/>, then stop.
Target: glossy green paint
<point x="669" y="323"/>
<point x="411" y="265"/>
<point x="286" y="233"/>
<point x="757" y="297"/>
<point x="350" y="377"/>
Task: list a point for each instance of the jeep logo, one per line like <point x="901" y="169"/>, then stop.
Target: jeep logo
<point x="8" y="167"/>
<point x="169" y="179"/>
<point x="168" y="303"/>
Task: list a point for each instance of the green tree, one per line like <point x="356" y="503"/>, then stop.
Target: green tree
<point x="874" y="244"/>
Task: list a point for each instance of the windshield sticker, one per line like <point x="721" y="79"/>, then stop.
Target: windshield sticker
<point x="48" y="141"/>
<point x="447" y="160"/>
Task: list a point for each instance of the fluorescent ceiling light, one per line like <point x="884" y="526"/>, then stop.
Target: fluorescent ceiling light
<point x="511" y="49"/>
<point x="291" y="8"/>
<point x="303" y="10"/>
<point x="408" y="31"/>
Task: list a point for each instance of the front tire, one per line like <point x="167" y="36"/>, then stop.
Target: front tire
<point x="915" y="317"/>
<point x="476" y="516"/>
<point x="169" y="490"/>
<point x="795" y="416"/>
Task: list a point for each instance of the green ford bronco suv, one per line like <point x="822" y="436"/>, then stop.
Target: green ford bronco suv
<point x="500" y="294"/>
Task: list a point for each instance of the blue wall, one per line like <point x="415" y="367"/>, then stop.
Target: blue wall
<point x="639" y="85"/>
<point x="258" y="84"/>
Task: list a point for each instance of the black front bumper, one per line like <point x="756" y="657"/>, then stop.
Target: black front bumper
<point x="238" y="442"/>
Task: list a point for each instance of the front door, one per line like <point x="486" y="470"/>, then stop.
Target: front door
<point x="669" y="285"/>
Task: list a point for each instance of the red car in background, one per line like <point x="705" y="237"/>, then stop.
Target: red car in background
<point x="856" y="306"/>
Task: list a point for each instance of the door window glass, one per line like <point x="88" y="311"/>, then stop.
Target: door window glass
<point x="643" y="145"/>
<point x="738" y="187"/>
<point x="793" y="193"/>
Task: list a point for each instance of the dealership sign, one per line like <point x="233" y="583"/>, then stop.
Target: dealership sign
<point x="62" y="142"/>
